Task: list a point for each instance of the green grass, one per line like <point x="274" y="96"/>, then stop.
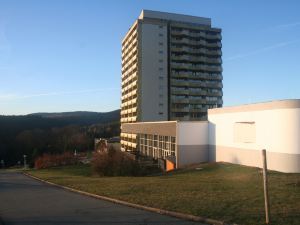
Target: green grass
<point x="221" y="191"/>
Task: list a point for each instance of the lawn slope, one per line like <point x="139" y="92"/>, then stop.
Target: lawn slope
<point x="220" y="191"/>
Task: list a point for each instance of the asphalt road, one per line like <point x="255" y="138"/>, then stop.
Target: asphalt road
<point x="26" y="201"/>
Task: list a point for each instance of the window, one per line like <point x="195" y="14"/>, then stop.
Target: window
<point x="161" y="69"/>
<point x="160" y="34"/>
<point x="161" y="104"/>
<point x="160" y="52"/>
<point x="161" y="26"/>
<point x="161" y="60"/>
<point x="160" y="43"/>
<point x="244" y="132"/>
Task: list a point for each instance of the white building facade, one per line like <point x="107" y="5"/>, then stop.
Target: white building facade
<point x="231" y="134"/>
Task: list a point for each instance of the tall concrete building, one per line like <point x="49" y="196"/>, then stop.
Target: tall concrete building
<point x="171" y="70"/>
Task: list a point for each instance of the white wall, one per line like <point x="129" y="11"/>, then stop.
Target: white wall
<point x="192" y="143"/>
<point x="192" y="133"/>
<point x="152" y="86"/>
<point x="277" y="130"/>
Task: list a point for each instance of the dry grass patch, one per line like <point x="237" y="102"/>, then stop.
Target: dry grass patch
<point x="221" y="191"/>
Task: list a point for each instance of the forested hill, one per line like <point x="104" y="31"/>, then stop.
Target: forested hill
<point x="39" y="133"/>
<point x="49" y="120"/>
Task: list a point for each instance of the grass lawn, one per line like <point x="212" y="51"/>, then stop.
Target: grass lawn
<point x="221" y="191"/>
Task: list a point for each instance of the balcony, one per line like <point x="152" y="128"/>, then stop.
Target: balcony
<point x="197" y="51"/>
<point x="197" y="101"/>
<point x="179" y="100"/>
<point x="214" y="52"/>
<point x="185" y="109"/>
<point x="180" y="32"/>
<point x="197" y="84"/>
<point x="180" y="75"/>
<point x="214" y="36"/>
<point x="202" y="110"/>
<point x="213" y="68"/>
<point x="213" y="60"/>
<point x="179" y="92"/>
<point x="197" y="92"/>
<point x="181" y="57"/>
<point x="179" y="83"/>
<point x="217" y="44"/>
<point x="189" y="58"/>
<point x="182" y="118"/>
<point x="217" y="94"/>
<point x="217" y="85"/>
<point x="199" y="34"/>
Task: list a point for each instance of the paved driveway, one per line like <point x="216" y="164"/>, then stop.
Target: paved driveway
<point x="26" y="201"/>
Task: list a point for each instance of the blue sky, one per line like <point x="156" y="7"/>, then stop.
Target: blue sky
<point x="65" y="55"/>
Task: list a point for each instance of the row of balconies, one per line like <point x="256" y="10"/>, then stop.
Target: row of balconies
<point x="129" y="102"/>
<point x="128" y="115"/>
<point x="126" y="111"/>
<point x="129" y="52"/>
<point x="129" y="65"/>
<point x="209" y="85"/>
<point x="188" y="109"/>
<point x="128" y="106"/>
<point x="128" y="95"/>
<point x="203" y="34"/>
<point x="129" y="71"/>
<point x="195" y="83"/>
<point x="192" y="42"/>
<point x="196" y="92"/>
<point x="187" y="66"/>
<point x="190" y="117"/>
<point x="128" y="89"/>
<point x="128" y="119"/>
<point x="187" y="49"/>
<point x="130" y="33"/>
<point x="132" y="37"/>
<point x="128" y="143"/>
<point x="131" y="48"/>
<point x="133" y="136"/>
<point x="132" y="56"/>
<point x="129" y="98"/>
<point x="131" y="81"/>
<point x="190" y="58"/>
<point x="195" y="101"/>
<point x="184" y="74"/>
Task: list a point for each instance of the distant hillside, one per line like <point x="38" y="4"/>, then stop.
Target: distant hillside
<point x="16" y="124"/>
<point x="82" y="117"/>
<point x="39" y="133"/>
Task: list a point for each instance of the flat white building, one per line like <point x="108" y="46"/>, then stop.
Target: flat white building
<point x="231" y="134"/>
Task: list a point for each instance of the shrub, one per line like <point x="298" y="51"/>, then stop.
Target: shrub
<point x="48" y="160"/>
<point x="114" y="163"/>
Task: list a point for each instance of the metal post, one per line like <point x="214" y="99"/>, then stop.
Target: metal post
<point x="266" y="193"/>
<point x="25" y="163"/>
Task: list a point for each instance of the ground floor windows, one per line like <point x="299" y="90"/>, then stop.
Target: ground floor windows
<point x="157" y="146"/>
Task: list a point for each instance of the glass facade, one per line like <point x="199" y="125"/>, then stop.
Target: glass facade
<point x="157" y="146"/>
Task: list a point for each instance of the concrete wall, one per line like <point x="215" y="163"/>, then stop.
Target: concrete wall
<point x="165" y="128"/>
<point x="267" y="126"/>
<point x="192" y="143"/>
<point x="153" y="80"/>
<point x="175" y="17"/>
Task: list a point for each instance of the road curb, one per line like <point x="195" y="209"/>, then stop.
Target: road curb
<point x="151" y="209"/>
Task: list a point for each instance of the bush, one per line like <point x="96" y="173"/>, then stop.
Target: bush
<point x="48" y="160"/>
<point x="114" y="163"/>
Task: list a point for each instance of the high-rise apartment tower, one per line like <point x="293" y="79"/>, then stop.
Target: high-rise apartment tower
<point x="171" y="70"/>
